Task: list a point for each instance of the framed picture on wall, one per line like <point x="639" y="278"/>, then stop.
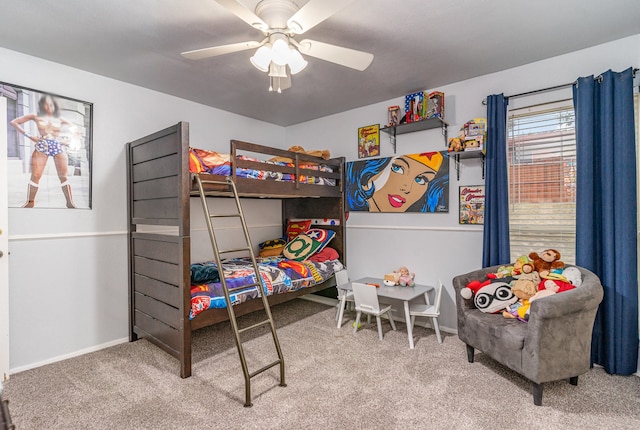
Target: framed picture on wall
<point x="472" y="204"/>
<point x="49" y="148"/>
<point x="402" y="183"/>
<point x="369" y="141"/>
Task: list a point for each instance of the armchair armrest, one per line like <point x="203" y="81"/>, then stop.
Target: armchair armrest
<point x="558" y="340"/>
<point x="586" y="297"/>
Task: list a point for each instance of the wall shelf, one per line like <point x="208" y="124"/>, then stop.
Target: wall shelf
<point x="411" y="127"/>
<point x="467" y="154"/>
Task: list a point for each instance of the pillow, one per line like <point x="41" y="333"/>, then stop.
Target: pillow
<point x="272" y="248"/>
<point x="325" y="254"/>
<point x="321" y="235"/>
<point x="294" y="228"/>
<point x="204" y="273"/>
<point x="301" y="248"/>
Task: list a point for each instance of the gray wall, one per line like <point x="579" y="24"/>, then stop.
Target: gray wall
<point x="68" y="269"/>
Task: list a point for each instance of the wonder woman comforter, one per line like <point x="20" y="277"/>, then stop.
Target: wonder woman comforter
<point x="278" y="276"/>
<point x="215" y="163"/>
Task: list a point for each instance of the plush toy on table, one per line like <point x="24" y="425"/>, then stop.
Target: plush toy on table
<point x="546" y="262"/>
<point x="401" y="277"/>
<point x="406" y="278"/>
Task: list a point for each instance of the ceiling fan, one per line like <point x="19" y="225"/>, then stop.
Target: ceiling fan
<point x="279" y="54"/>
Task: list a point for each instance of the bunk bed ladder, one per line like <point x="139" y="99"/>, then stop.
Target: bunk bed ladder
<point x="232" y="317"/>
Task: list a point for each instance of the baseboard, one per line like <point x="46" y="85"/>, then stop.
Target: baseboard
<point x="320" y="299"/>
<point x="333" y="302"/>
<point x="70" y="355"/>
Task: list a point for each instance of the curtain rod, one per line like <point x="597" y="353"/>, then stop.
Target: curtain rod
<point x="544" y="90"/>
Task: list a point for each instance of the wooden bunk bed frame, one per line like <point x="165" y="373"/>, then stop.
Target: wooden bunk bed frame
<point x="160" y="187"/>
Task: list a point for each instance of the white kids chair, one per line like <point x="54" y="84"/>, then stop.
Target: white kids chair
<point x="366" y="300"/>
<point x="344" y="296"/>
<point x="430" y="311"/>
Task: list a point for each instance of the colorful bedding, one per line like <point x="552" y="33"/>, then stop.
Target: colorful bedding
<point x="215" y="163"/>
<point x="278" y="276"/>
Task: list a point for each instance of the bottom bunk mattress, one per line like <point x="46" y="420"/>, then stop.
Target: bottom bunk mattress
<point x="278" y="275"/>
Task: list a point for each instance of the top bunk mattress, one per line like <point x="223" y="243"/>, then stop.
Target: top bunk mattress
<point x="216" y="163"/>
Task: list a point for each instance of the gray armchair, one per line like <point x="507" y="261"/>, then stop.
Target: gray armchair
<point x="556" y="342"/>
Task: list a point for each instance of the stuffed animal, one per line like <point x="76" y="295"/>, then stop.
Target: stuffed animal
<point x="573" y="276"/>
<point x="522" y="265"/>
<point x="406" y="278"/>
<point x="547" y="261"/>
<point x="502" y="272"/>
<point x="541" y="294"/>
<point x="401" y="277"/>
<point x="556" y="285"/>
<point x="523" y="289"/>
<point x="391" y="279"/>
<point x="456" y="144"/>
<point x="490" y="296"/>
<point x="533" y="277"/>
<point x="570" y="278"/>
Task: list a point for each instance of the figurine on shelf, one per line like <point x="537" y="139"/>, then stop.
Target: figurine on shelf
<point x="435" y="105"/>
<point x="394" y="115"/>
<point x="414" y="107"/>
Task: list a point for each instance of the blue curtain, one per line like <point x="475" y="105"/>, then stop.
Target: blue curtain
<point x="495" y="248"/>
<point x="606" y="211"/>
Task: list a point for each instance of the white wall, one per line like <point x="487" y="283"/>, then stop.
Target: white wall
<point x="435" y="246"/>
<point x="68" y="269"/>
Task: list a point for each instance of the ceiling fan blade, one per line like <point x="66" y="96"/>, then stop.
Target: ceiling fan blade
<point x="314" y="12"/>
<point x="358" y="60"/>
<point x="199" y="54"/>
<point x="239" y="10"/>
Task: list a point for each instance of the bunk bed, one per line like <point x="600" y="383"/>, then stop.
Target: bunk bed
<point x="160" y="187"/>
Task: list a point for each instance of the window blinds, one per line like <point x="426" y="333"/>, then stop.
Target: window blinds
<point x="542" y="179"/>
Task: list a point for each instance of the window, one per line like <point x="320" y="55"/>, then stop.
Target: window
<point x="542" y="179"/>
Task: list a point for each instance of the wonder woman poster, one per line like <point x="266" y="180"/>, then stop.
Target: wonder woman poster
<point x="48" y="149"/>
<point x="403" y="183"/>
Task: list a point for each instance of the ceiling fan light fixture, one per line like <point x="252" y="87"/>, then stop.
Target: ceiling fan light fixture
<point x="262" y="58"/>
<point x="296" y="62"/>
<point x="277" y="71"/>
<point x="280" y="52"/>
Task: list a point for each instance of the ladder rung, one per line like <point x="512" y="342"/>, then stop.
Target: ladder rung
<point x="268" y="366"/>
<point x="254" y="326"/>
<point x="225" y="216"/>
<point x="244" y="287"/>
<point x="208" y="181"/>
<point x="226" y="251"/>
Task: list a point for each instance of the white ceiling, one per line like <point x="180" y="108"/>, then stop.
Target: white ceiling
<point x="418" y="44"/>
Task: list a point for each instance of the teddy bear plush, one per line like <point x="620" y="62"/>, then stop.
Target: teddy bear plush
<point x="548" y="260"/>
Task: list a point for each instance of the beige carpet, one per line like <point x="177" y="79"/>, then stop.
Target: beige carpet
<point x="335" y="381"/>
